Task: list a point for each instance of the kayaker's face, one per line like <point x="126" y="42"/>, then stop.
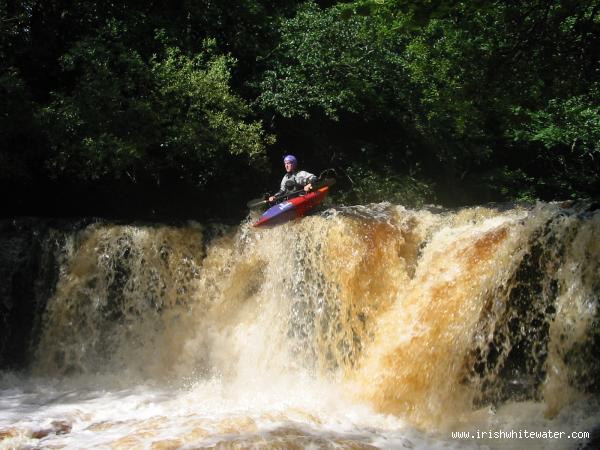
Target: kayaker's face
<point x="289" y="167"/>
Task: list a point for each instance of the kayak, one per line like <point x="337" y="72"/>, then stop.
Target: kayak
<point x="293" y="208"/>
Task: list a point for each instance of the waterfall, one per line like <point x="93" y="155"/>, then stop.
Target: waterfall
<point x="428" y="316"/>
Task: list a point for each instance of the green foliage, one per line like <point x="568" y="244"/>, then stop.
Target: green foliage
<point x="572" y="122"/>
<point x="135" y="118"/>
<point x="369" y="186"/>
<point x="512" y="183"/>
<point x="479" y="87"/>
<point x="18" y="129"/>
<point x="488" y="100"/>
<point x="334" y="63"/>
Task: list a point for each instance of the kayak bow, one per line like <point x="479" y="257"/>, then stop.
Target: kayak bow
<point x="293" y="208"/>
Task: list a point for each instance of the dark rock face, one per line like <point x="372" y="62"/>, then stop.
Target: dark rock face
<point x="29" y="254"/>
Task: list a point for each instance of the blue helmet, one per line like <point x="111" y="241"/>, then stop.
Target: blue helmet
<point x="292" y="159"/>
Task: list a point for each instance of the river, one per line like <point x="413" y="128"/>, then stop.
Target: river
<point x="356" y="328"/>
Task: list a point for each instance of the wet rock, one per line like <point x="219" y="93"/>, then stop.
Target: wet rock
<point x="56" y="427"/>
<point x="7" y="433"/>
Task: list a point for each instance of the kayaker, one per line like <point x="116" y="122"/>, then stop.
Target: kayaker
<point x="294" y="179"/>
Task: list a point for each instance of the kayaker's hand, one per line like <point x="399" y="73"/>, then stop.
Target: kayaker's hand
<point x="271" y="199"/>
<point x="308" y="187"/>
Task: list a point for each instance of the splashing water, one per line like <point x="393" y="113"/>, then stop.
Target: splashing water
<point x="364" y="327"/>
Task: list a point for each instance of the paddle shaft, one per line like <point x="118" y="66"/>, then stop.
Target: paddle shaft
<point x="318" y="184"/>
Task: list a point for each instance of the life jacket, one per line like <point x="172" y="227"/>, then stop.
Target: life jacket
<point x="295" y="181"/>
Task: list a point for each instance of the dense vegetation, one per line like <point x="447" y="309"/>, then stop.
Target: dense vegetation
<point x="146" y="105"/>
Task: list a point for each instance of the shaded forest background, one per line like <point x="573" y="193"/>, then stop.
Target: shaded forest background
<point x="185" y="108"/>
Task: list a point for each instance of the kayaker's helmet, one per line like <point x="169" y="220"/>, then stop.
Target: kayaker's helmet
<point x="291" y="159"/>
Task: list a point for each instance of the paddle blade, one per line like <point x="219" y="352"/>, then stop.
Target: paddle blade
<point x="256" y="203"/>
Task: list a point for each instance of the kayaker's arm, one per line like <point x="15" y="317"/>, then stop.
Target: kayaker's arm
<point x="282" y="189"/>
<point x="309" y="187"/>
<point x="306" y="180"/>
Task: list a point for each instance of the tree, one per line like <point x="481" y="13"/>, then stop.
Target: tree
<point x="127" y="117"/>
<point x="483" y="92"/>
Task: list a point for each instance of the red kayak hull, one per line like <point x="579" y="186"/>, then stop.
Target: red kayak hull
<point x="293" y="208"/>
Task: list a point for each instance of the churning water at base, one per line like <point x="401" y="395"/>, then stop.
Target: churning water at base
<point x="364" y="327"/>
<point x="43" y="414"/>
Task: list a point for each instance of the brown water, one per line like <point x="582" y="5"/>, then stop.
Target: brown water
<point x="364" y="327"/>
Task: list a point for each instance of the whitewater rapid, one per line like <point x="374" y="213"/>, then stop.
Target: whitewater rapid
<point x="360" y="327"/>
<point x="38" y="413"/>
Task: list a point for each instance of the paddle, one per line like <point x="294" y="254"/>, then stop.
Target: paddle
<point x="319" y="184"/>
